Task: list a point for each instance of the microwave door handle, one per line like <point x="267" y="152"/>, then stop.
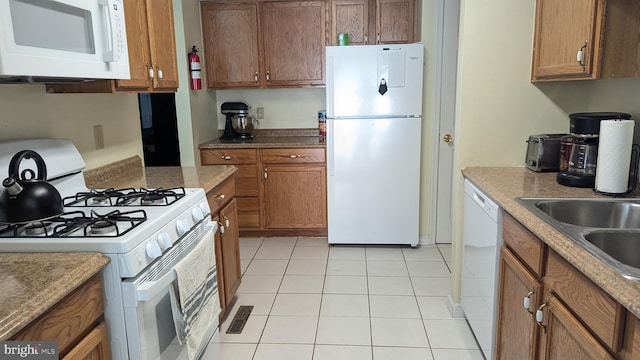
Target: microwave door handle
<point x="109" y="55"/>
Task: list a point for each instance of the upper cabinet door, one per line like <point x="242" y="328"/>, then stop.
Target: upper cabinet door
<point x="394" y="21"/>
<point x="350" y="17"/>
<point x="162" y="43"/>
<point x="564" y="29"/>
<point x="138" y="43"/>
<point x="231" y="53"/>
<point x="293" y="36"/>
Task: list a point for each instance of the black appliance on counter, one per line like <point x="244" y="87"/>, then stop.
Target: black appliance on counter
<point x="239" y="124"/>
<point x="579" y="150"/>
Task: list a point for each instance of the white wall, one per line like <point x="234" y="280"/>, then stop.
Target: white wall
<point x="195" y="109"/>
<point x="283" y="108"/>
<point x="29" y="112"/>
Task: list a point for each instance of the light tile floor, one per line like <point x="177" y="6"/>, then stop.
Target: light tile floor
<point x="314" y="302"/>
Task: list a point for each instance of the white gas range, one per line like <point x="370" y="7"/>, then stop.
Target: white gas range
<point x="144" y="232"/>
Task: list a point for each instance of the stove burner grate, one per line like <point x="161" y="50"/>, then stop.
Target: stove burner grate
<point x="96" y="197"/>
<point x="153" y="197"/>
<point x="76" y="224"/>
<point x="125" y="197"/>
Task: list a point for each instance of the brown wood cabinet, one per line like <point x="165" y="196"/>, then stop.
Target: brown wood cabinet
<point x="373" y="21"/>
<point x="585" y="39"/>
<point x="152" y="52"/>
<point x="520" y="277"/>
<point x="248" y="45"/>
<point x="247" y="181"/>
<point x="227" y="241"/>
<point x="76" y="323"/>
<point x="578" y="320"/>
<point x="279" y="191"/>
<point x="295" y="188"/>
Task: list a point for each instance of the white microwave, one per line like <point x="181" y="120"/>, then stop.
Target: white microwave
<point x="63" y="39"/>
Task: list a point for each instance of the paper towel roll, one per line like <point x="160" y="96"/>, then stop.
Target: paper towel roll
<point x="614" y="156"/>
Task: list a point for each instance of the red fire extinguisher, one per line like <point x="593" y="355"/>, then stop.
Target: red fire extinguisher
<point x="195" y="69"/>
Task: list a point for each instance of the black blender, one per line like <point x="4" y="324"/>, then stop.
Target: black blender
<point x="579" y="150"/>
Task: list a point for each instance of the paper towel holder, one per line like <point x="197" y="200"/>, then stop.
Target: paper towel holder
<point x="633" y="174"/>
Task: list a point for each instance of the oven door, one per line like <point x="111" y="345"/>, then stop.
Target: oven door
<point x="149" y="321"/>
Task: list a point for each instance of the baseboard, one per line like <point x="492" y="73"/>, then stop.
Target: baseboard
<point x="455" y="308"/>
<point x="426" y="240"/>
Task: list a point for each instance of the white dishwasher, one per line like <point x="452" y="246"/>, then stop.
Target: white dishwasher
<point x="482" y="237"/>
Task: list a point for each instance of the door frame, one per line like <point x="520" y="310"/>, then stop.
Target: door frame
<point x="446" y="68"/>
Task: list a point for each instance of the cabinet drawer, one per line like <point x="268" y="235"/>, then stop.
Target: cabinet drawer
<point x="68" y="319"/>
<point x="292" y="156"/>
<point x="228" y="157"/>
<point x="221" y="195"/>
<point x="603" y="315"/>
<point x="523" y="243"/>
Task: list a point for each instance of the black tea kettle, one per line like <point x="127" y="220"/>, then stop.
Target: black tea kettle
<point x="27" y="196"/>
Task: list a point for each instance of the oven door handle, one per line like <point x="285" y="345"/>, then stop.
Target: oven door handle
<point x="149" y="289"/>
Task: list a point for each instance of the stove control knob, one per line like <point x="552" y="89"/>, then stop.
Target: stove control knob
<point x="197" y="214"/>
<point x="153" y="249"/>
<point x="182" y="226"/>
<point x="164" y="240"/>
<point x="204" y="206"/>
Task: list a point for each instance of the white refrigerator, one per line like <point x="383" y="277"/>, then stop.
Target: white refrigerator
<point x="374" y="115"/>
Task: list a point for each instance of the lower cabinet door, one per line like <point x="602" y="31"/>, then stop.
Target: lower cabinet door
<point x="295" y="197"/>
<point x="230" y="249"/>
<point x="94" y="346"/>
<point x="517" y="330"/>
<point x="565" y="338"/>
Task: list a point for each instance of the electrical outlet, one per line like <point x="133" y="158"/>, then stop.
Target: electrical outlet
<point x="260" y="113"/>
<point x="98" y="137"/>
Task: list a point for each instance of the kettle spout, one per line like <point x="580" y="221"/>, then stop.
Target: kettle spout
<point x="12" y="186"/>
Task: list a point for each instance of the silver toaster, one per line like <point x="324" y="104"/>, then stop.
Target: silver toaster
<point x="543" y="152"/>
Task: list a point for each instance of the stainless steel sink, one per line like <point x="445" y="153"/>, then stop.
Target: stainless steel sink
<point x="607" y="213"/>
<point x="623" y="246"/>
<point x="607" y="228"/>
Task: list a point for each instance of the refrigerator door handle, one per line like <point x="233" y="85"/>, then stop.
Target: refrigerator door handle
<point x="330" y="146"/>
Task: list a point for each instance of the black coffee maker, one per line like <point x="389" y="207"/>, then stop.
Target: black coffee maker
<point x="579" y="151"/>
<point x="233" y="110"/>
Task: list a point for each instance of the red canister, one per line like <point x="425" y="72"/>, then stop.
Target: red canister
<point x="322" y="123"/>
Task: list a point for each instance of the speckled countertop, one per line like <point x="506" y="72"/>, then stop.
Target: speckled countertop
<point x="130" y="173"/>
<point x="272" y="138"/>
<point x="31" y="283"/>
<point x="504" y="185"/>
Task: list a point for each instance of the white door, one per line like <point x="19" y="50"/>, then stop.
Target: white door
<point x="443" y="139"/>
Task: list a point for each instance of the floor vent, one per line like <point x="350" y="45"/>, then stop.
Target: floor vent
<point x="240" y="319"/>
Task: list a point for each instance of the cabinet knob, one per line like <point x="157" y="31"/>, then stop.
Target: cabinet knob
<point x="294" y="156"/>
<point x="219" y="198"/>
<point x="226" y="221"/>
<point x="268" y="76"/>
<point x="447" y="138"/>
<point x="159" y="72"/>
<point x="221" y="227"/>
<point x="255" y="76"/>
<point x="226" y="157"/>
<point x="151" y="72"/>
